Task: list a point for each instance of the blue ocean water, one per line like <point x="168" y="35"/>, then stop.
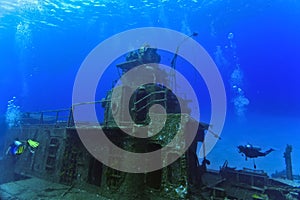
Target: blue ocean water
<point x="255" y="45"/>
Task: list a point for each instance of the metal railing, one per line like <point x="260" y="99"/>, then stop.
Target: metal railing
<point x="153" y="100"/>
<point x="48" y="117"/>
<point x="59" y="117"/>
<point x="64" y="117"/>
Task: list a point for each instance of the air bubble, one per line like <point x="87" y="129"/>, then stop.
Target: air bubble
<point x="13" y="114"/>
<point x="230" y="36"/>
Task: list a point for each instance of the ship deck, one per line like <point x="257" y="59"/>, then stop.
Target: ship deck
<point x="35" y="188"/>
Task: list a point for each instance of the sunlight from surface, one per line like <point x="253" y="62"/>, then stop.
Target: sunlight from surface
<point x="53" y="12"/>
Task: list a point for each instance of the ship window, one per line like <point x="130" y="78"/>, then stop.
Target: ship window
<point x="259" y="181"/>
<point x="153" y="179"/>
<point x="95" y="172"/>
<point x="245" y="179"/>
<point x="113" y="178"/>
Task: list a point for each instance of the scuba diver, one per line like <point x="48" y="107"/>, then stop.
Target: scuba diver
<point x="252" y="152"/>
<point x="18" y="147"/>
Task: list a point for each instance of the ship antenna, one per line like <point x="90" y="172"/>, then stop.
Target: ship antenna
<point x="173" y="62"/>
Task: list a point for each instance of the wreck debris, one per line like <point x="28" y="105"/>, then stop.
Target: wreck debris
<point x="288" y="162"/>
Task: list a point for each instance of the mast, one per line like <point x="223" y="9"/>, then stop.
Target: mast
<point x="288" y="162"/>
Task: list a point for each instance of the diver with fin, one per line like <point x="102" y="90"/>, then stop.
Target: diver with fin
<point x="251" y="151"/>
<point x="18" y="147"/>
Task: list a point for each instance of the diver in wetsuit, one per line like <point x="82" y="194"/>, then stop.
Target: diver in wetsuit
<point x="18" y="147"/>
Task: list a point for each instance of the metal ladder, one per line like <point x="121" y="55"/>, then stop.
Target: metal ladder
<point x="152" y="100"/>
<point x="51" y="157"/>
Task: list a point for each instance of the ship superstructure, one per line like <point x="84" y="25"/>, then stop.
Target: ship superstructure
<point x="62" y="158"/>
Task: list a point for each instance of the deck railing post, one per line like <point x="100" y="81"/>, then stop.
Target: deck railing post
<point x="70" y="119"/>
<point x="56" y="119"/>
<point x="42" y="118"/>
